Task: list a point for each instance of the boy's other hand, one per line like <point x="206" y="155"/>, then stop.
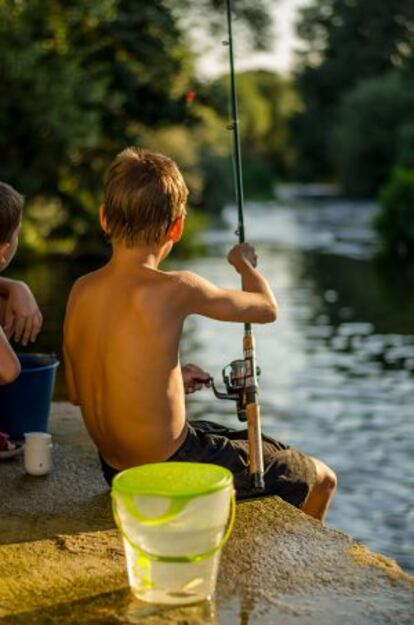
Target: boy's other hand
<point x="194" y="378"/>
<point x="22" y="317"/>
<point x="241" y="254"/>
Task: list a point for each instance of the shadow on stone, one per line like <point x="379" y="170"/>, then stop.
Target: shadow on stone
<point x="115" y="608"/>
<point x="73" y="498"/>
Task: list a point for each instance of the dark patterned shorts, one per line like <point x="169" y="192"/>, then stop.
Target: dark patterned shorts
<point x="288" y="473"/>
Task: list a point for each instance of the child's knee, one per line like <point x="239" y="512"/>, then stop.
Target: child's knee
<point x="326" y="479"/>
<point x="329" y="480"/>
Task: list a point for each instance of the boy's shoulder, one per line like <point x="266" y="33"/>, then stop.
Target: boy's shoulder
<point x="179" y="287"/>
<point x="86" y="280"/>
<point x="172" y="283"/>
<point x="78" y="284"/>
<point x="81" y="287"/>
<point x="184" y="278"/>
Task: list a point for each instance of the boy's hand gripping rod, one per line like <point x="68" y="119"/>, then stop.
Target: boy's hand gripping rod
<point x="242" y="382"/>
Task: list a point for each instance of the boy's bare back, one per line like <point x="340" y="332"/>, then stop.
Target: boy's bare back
<point x="124" y="322"/>
<point x="122" y="339"/>
<point x="122" y="333"/>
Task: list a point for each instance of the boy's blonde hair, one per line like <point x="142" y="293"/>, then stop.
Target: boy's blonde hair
<point x="11" y="209"/>
<point x="144" y="192"/>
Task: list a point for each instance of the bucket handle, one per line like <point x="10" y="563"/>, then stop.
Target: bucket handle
<point x="196" y="558"/>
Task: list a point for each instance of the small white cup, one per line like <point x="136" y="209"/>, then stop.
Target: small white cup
<point x="38" y="453"/>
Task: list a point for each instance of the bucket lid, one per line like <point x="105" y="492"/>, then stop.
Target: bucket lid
<point x="172" y="479"/>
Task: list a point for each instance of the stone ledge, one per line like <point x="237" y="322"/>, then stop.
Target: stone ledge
<point x="61" y="560"/>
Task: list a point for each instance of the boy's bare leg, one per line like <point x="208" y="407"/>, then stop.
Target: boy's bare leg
<point x="320" y="497"/>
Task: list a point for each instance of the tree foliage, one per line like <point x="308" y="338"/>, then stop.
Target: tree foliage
<point x="251" y="19"/>
<point x="80" y="81"/>
<point x="395" y="222"/>
<point x="344" y="42"/>
<point x="266" y="101"/>
<point x="367" y="132"/>
<point x="81" y="78"/>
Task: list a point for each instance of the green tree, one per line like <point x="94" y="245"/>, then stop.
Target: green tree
<point x="80" y="81"/>
<point x="395" y="221"/>
<point x="367" y="136"/>
<point x="265" y="102"/>
<point x="405" y="145"/>
<point x="251" y="19"/>
<point x="343" y="43"/>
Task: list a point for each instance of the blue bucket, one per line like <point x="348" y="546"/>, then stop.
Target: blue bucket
<point x="25" y="403"/>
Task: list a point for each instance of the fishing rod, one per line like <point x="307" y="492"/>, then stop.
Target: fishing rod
<point x="241" y="376"/>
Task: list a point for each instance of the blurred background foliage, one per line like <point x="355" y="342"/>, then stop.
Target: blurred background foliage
<point x="83" y="79"/>
<point x="355" y="77"/>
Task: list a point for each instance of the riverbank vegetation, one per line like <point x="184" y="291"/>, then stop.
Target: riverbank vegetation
<point x="84" y="79"/>
<point x="355" y="78"/>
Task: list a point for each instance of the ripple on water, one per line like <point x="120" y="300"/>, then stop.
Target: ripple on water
<point x="343" y="391"/>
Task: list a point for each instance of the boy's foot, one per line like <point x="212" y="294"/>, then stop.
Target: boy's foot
<point x="9" y="449"/>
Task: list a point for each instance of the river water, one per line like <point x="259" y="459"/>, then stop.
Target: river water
<point x="337" y="368"/>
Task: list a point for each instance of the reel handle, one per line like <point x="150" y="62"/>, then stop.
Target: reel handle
<point x="221" y="394"/>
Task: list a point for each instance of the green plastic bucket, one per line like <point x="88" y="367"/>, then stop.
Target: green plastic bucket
<point x="175" y="518"/>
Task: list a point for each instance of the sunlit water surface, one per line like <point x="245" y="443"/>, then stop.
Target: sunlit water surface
<point x="337" y="368"/>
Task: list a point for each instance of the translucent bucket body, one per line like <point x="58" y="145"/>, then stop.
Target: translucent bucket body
<point x="173" y="537"/>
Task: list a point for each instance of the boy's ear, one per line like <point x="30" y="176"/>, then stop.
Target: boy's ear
<point x="175" y="231"/>
<point x="4" y="247"/>
<point x="102" y="219"/>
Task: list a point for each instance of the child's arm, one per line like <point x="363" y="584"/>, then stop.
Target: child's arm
<point x="22" y="317"/>
<point x="255" y="304"/>
<point x="194" y="378"/>
<point x="9" y="364"/>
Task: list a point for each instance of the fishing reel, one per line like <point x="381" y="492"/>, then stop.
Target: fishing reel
<point x="234" y="378"/>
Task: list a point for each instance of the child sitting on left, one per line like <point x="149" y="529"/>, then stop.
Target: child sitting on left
<point x="20" y="317"/>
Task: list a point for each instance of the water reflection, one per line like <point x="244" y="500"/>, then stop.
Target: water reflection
<point x="337" y="369"/>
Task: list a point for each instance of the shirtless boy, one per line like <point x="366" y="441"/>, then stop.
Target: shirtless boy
<point x="122" y="333"/>
<point x="20" y="317"/>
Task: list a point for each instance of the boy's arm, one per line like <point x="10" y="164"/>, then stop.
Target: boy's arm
<point x="255" y="304"/>
<point x="22" y="317"/>
<point x="9" y="364"/>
